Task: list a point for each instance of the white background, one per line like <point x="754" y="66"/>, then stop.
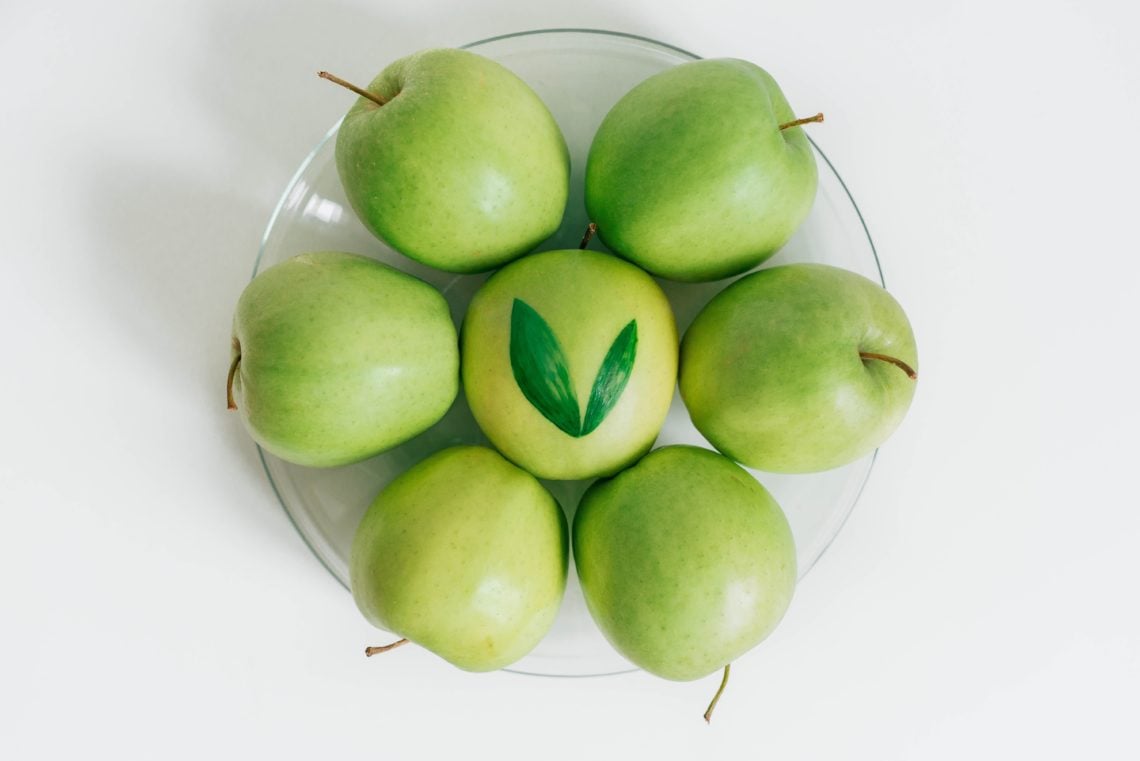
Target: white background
<point x="980" y="603"/>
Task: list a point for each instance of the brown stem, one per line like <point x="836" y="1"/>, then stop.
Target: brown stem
<point x="806" y="120"/>
<point x="359" y="91"/>
<point x="910" y="373"/>
<point x="230" y="403"/>
<point x="590" y="230"/>
<point x="377" y="649"/>
<point x="719" y="692"/>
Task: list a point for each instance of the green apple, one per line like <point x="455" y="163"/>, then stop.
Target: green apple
<point x="465" y="554"/>
<point x="686" y="562"/>
<point x="462" y="168"/>
<point x="691" y="176"/>
<point x="570" y="362"/>
<point x="337" y="357"/>
<point x="799" y="368"/>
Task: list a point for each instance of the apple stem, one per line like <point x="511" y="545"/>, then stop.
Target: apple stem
<point x="719" y="692"/>
<point x="230" y="403"/>
<point x="377" y="649"/>
<point x="359" y="91"/>
<point x="910" y="373"/>
<point x="806" y="120"/>
<point x="590" y="230"/>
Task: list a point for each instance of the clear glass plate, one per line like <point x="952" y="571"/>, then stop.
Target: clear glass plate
<point x="580" y="74"/>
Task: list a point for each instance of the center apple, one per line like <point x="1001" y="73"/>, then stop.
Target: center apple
<point x="569" y="362"/>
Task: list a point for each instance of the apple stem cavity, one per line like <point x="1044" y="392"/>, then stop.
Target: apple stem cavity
<point x="377" y="649"/>
<point x="719" y="692"/>
<point x="358" y="90"/>
<point x="230" y="403"/>
<point x="806" y="120"/>
<point x="910" y="373"/>
<point x="590" y="230"/>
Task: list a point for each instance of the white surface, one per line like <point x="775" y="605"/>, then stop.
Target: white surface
<point x="981" y="602"/>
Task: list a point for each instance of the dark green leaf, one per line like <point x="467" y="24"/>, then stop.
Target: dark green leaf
<point x="612" y="377"/>
<point x="541" y="369"/>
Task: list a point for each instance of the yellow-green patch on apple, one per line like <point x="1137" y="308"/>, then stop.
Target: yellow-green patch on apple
<point x="569" y="362"/>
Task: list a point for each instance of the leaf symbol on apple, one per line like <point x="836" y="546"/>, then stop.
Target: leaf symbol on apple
<point x="543" y="373"/>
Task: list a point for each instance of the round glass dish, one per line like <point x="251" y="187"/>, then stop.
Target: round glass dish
<point x="580" y="74"/>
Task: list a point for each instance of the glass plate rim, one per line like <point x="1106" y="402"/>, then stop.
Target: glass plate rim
<point x="300" y="171"/>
